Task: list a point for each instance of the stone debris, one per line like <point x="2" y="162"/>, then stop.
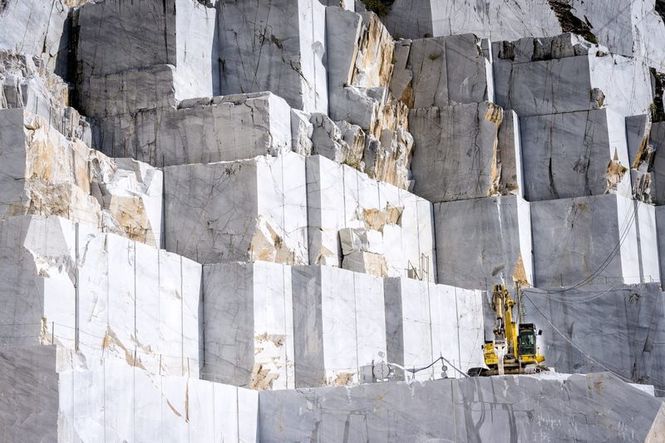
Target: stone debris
<point x="336" y="191"/>
<point x="43" y="173"/>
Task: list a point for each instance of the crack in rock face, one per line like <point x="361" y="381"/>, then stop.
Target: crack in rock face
<point x="570" y="23"/>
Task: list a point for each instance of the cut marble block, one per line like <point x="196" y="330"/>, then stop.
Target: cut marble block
<point x="574" y="154"/>
<point x="630" y="27"/>
<point x="247" y="210"/>
<point x="656" y="167"/>
<point x="50" y="399"/>
<point x="276" y="46"/>
<point x="556" y="407"/>
<point x="26" y="82"/>
<point x="34" y="27"/>
<point x="30" y="398"/>
<point x="442" y="71"/>
<point x="660" y="227"/>
<point x="116" y="36"/>
<point x="458" y="154"/>
<point x="596" y="240"/>
<point x="484" y="241"/>
<point x="248" y="325"/>
<point x="150" y="318"/>
<point x="339" y="198"/>
<point x="207" y="130"/>
<point x="38" y="279"/>
<point x="43" y="173"/>
<point x="615" y="327"/>
<point x="571" y="82"/>
<point x="425" y="321"/>
<point x="340" y="325"/>
<point x="109" y="296"/>
<point x="496" y="20"/>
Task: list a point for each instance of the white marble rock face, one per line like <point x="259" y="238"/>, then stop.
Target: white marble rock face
<point x="458" y="153"/>
<point x="623" y="345"/>
<point x="247" y="210"/>
<point x="339" y="323"/>
<point x="115" y="36"/>
<point x="442" y="71"/>
<point x="425" y="321"/>
<point x="108" y="296"/>
<point x="596" y="240"/>
<point x="574" y="154"/>
<point x="252" y="303"/>
<point x="341" y="198"/>
<point x="533" y="408"/>
<point x="484" y="241"/>
<point x="626" y="27"/>
<point x="83" y="402"/>
<point x="563" y="81"/>
<point x="276" y="46"/>
<point x="43" y="173"/>
<point x="204" y="130"/>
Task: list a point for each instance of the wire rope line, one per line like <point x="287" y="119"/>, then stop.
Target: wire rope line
<point x="585" y="354"/>
<point x="606" y="262"/>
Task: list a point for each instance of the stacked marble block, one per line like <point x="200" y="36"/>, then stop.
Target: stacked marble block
<point x="630" y="27"/>
<point x="50" y="394"/>
<point x="497" y="176"/>
<point x="467" y="160"/>
<point x="238" y="188"/>
<point x="93" y="306"/>
<point x="576" y="157"/>
<point x="273" y="326"/>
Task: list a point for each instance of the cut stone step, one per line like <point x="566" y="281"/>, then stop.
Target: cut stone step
<point x="614" y="327"/>
<point x="483" y="242"/>
<point x="574" y="154"/>
<point x="116" y="36"/>
<point x="246" y="210"/>
<point x="66" y="401"/>
<point x="276" y="46"/>
<point x="465" y="151"/>
<point x="339" y="198"/>
<point x="43" y="173"/>
<point x="108" y="296"/>
<point x="425" y="321"/>
<point x="442" y="71"/>
<point x="598" y="240"/>
<point x="204" y="130"/>
<point x="564" y="81"/>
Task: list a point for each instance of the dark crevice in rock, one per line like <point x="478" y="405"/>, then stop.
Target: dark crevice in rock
<point x="658" y="106"/>
<point x="3" y="5"/>
<point x="570" y="23"/>
<point x="660" y="8"/>
<point x="379" y="7"/>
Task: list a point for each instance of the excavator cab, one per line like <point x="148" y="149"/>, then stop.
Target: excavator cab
<point x="526" y="342"/>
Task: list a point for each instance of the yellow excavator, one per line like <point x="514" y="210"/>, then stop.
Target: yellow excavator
<point x="514" y="349"/>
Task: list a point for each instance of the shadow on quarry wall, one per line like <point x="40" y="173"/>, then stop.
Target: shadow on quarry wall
<point x="570" y="23"/>
<point x="380" y="7"/>
<point x="658" y="81"/>
<point x="660" y="8"/>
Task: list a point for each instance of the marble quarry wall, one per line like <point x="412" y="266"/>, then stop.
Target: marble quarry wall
<point x="282" y="220"/>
